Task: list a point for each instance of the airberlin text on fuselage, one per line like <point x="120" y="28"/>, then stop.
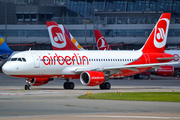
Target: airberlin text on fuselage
<point x="69" y="60"/>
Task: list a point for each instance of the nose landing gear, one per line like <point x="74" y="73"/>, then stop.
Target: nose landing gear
<point x="28" y="84"/>
<point x="27" y="87"/>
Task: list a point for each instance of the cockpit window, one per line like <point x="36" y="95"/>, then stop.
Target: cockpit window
<point x="24" y="59"/>
<point x="13" y="59"/>
<point x="19" y="59"/>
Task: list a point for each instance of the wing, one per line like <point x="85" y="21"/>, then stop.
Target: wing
<point x="130" y="67"/>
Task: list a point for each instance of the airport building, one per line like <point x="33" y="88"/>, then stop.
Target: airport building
<point x="125" y="24"/>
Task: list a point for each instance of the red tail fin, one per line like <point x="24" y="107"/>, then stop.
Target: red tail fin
<point x="100" y="41"/>
<point x="156" y="42"/>
<point x="59" y="40"/>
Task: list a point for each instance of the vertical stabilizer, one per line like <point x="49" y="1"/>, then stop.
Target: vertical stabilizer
<point x="73" y="39"/>
<point x="5" y="51"/>
<point x="59" y="40"/>
<point x="100" y="41"/>
<point x="156" y="41"/>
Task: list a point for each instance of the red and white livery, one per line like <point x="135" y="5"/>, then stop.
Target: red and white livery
<point x="91" y="67"/>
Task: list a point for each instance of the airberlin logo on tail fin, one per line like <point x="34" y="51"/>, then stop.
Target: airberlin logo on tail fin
<point x="101" y="43"/>
<point x="57" y="36"/>
<point x="160" y="34"/>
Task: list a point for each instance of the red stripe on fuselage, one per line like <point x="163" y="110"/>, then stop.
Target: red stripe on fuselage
<point x="48" y="76"/>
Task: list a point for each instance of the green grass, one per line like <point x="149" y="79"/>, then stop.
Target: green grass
<point x="136" y="96"/>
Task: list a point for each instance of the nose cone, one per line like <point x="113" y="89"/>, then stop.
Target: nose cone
<point x="6" y="69"/>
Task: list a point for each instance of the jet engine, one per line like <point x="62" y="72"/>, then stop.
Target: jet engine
<point x="165" y="71"/>
<point x="92" y="78"/>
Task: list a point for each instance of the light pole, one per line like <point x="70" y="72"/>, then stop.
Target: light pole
<point x="85" y="23"/>
<point x="6" y="21"/>
<point x="94" y="28"/>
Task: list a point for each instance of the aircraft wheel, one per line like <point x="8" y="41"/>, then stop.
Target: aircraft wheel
<point x="29" y="87"/>
<point x="107" y="85"/>
<point x="101" y="86"/>
<point x="26" y="87"/>
<point x="71" y="85"/>
<point x="65" y="85"/>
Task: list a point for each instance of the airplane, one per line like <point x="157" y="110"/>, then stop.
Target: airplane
<point x="168" y="71"/>
<point x="91" y="67"/>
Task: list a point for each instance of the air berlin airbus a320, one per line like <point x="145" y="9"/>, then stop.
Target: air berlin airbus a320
<point x="91" y="67"/>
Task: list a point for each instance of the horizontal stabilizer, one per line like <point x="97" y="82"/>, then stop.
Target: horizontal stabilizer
<point x="167" y="58"/>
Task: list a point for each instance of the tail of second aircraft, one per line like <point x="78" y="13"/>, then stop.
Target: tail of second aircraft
<point x="100" y="41"/>
<point x="60" y="37"/>
<point x="5" y="51"/>
<point x="72" y="38"/>
<point x="156" y="41"/>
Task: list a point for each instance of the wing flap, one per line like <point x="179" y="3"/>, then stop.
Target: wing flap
<point x="79" y="70"/>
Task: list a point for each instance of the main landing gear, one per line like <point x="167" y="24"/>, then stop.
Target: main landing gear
<point x="105" y="86"/>
<point x="68" y="85"/>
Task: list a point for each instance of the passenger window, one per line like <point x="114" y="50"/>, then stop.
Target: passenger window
<point x="13" y="59"/>
<point x="24" y="60"/>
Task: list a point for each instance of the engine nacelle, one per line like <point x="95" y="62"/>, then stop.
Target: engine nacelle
<point x="40" y="81"/>
<point x="92" y="78"/>
<point x="165" y="71"/>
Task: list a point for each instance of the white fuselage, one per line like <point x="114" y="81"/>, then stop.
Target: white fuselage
<point x="46" y="62"/>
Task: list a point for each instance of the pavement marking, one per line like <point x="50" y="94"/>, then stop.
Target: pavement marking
<point x="142" y="117"/>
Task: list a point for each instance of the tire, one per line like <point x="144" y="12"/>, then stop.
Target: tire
<point x="107" y="85"/>
<point x="71" y="85"/>
<point x="26" y="87"/>
<point x="29" y="87"/>
<point x="101" y="86"/>
<point x="65" y="85"/>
